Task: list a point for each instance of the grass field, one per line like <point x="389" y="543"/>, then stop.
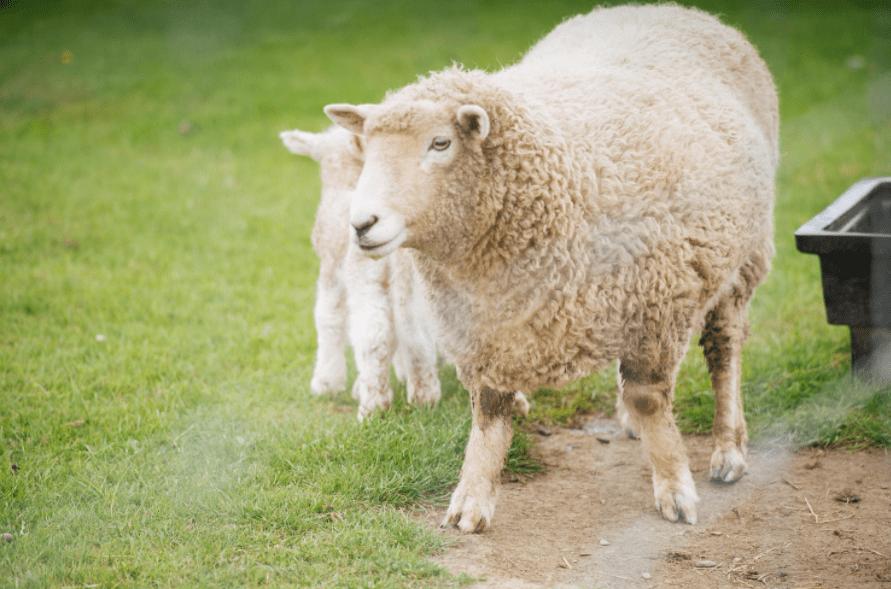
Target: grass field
<point x="157" y="280"/>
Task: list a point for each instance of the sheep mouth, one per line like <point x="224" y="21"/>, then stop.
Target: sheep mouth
<point x="369" y="248"/>
<point x="379" y="250"/>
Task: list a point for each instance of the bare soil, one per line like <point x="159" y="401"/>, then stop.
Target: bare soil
<point x="813" y="519"/>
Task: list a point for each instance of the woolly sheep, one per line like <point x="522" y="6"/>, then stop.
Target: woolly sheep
<point x="380" y="303"/>
<point x="605" y="198"/>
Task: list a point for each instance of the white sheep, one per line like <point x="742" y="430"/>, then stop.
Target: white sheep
<point x="606" y="198"/>
<point x="380" y="303"/>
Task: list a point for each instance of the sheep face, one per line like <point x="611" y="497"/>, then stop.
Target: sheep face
<point x="423" y="162"/>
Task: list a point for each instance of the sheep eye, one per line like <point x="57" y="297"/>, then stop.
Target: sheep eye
<point x="440" y="144"/>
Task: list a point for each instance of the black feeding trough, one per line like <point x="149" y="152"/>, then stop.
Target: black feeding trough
<point x="853" y="239"/>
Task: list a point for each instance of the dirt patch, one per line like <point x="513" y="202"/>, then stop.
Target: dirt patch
<point x="797" y="520"/>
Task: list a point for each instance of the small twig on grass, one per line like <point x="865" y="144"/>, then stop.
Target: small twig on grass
<point x="784" y="546"/>
<point x="874" y="552"/>
<point x="734" y="571"/>
<point x="791" y="484"/>
<point x="569" y="566"/>
<point x="613" y="576"/>
<point x="816" y="519"/>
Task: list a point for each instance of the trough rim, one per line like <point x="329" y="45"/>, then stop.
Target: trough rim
<point x="814" y="238"/>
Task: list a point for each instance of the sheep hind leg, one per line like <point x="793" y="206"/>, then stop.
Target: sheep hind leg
<point x="472" y="507"/>
<point x="622" y="413"/>
<point x="418" y="368"/>
<point x="415" y="358"/>
<point x="649" y="406"/>
<point x="725" y="331"/>
<point x="521" y="405"/>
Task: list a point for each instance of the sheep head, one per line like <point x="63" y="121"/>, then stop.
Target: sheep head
<point x="423" y="164"/>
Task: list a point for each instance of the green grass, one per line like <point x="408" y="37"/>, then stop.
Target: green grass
<point x="145" y="198"/>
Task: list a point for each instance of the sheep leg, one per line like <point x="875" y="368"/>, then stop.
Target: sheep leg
<point x="417" y="367"/>
<point x="472" y="506"/>
<point x="415" y="359"/>
<point x="622" y="413"/>
<point x="722" y="340"/>
<point x="372" y="335"/>
<point x="649" y="406"/>
<point x="521" y="404"/>
<point x="329" y="374"/>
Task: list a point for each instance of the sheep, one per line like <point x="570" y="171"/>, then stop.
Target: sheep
<point x="606" y="198"/>
<point x="381" y="302"/>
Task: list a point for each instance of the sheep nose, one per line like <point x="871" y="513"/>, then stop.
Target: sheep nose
<point x="364" y="225"/>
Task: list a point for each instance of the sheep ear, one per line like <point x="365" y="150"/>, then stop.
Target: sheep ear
<point x="352" y="118"/>
<point x="357" y="147"/>
<point x="475" y="120"/>
<point x="299" y="142"/>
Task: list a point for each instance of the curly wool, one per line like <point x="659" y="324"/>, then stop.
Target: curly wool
<point x="623" y="191"/>
<point x="601" y="200"/>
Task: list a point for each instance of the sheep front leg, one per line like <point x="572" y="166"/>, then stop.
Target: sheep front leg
<point x="330" y="312"/>
<point x="649" y="406"/>
<point x="473" y="503"/>
<point x="372" y="334"/>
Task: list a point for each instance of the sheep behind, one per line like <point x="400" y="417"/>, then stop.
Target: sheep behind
<point x="379" y="304"/>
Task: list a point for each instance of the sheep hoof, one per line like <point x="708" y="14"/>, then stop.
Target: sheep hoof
<point x="521" y="404"/>
<point x="676" y="500"/>
<point x="368" y="411"/>
<point x="469" y="514"/>
<point x="625" y="420"/>
<point x="468" y="525"/>
<point x="677" y="507"/>
<point x="424" y="395"/>
<point x="425" y="400"/>
<point x="727" y="465"/>
<point x="327" y="383"/>
<point x="371" y="402"/>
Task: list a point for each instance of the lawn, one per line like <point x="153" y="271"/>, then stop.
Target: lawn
<point x="157" y="283"/>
